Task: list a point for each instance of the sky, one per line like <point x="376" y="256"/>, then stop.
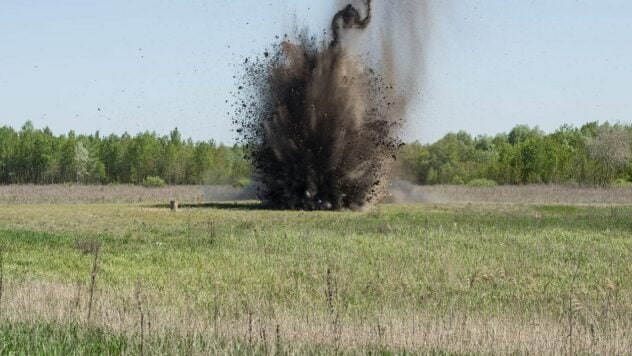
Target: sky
<point x="134" y="65"/>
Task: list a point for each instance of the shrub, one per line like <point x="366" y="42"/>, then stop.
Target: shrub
<point x="621" y="183"/>
<point x="154" y="182"/>
<point x="457" y="180"/>
<point x="482" y="183"/>
<point x="242" y="183"/>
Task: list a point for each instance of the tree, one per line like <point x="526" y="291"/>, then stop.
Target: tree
<point x="175" y="159"/>
<point x="412" y="163"/>
<point x="81" y="161"/>
<point x="8" y="144"/>
<point x="611" y="151"/>
<point x="67" y="159"/>
<point x="522" y="133"/>
<point x="143" y="157"/>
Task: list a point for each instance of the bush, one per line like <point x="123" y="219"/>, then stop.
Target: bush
<point x="456" y="180"/>
<point x="482" y="183"/>
<point x="621" y="183"/>
<point x="154" y="182"/>
<point x="242" y="183"/>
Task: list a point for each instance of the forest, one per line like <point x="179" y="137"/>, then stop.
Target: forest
<point x="592" y="155"/>
<point x="37" y="156"/>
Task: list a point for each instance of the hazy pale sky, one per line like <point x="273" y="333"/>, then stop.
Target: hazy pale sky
<point x="136" y="65"/>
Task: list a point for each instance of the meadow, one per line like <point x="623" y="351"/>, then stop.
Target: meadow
<point x="450" y="277"/>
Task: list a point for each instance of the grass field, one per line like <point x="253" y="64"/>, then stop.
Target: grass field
<point x="230" y="278"/>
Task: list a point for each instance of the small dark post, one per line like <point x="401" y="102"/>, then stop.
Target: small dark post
<point x="173" y="205"/>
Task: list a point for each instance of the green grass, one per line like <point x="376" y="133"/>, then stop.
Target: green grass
<point x="69" y="339"/>
<point x="72" y="339"/>
<point x="515" y="262"/>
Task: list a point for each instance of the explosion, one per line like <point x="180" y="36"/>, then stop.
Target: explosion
<point x="319" y="125"/>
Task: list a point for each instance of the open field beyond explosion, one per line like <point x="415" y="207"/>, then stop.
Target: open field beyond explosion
<point x="454" y="277"/>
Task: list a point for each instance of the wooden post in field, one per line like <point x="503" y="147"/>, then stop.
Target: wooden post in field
<point x="173" y="205"/>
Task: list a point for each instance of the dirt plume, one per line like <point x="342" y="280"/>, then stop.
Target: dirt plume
<point x="320" y="125"/>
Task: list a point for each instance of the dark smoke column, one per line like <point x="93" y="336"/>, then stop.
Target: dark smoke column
<point x="316" y="123"/>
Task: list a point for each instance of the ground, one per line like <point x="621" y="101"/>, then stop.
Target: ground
<point x="231" y="278"/>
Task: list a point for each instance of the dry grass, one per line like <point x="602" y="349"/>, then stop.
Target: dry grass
<point x="111" y="194"/>
<point x="401" y="193"/>
<point x="529" y="194"/>
<point x="117" y="311"/>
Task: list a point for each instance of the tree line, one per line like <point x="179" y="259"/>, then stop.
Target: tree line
<point x="594" y="154"/>
<point x="37" y="156"/>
